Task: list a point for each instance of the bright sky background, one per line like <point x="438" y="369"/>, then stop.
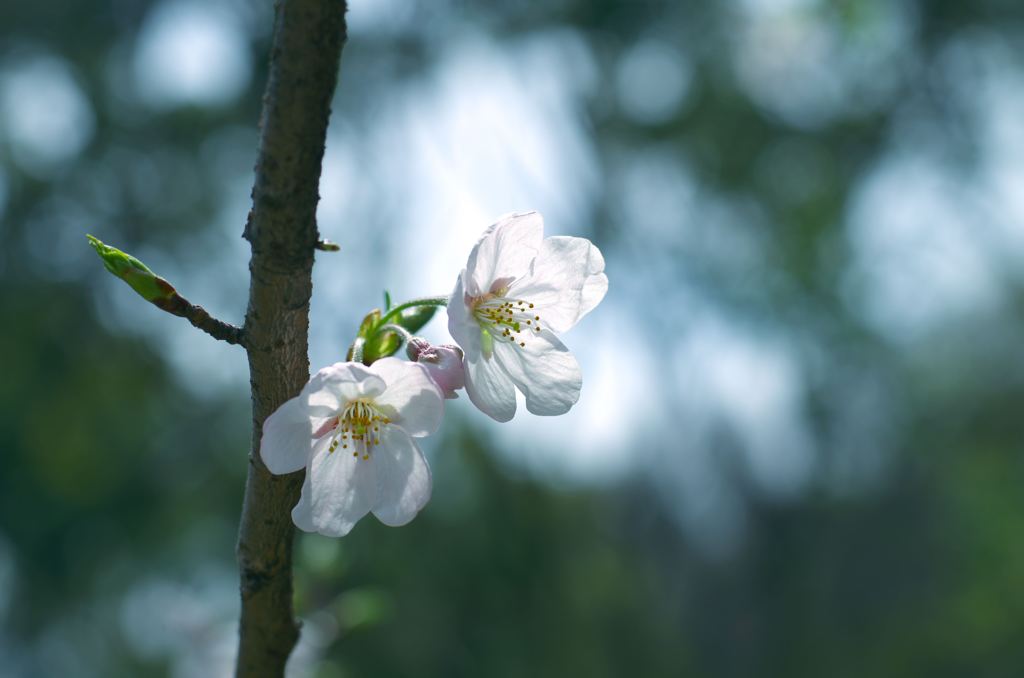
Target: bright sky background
<point x="495" y="127"/>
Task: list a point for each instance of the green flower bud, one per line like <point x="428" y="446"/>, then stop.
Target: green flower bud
<point x="147" y="284"/>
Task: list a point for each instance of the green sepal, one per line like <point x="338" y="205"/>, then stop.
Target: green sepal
<point x="369" y="324"/>
<point x="386" y="343"/>
<point x="381" y="345"/>
<point x="387" y="301"/>
<point x="413" y="319"/>
<point x="366" y="330"/>
<point x="139" y="277"/>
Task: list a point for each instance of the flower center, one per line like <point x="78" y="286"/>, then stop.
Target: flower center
<point x="358" y="428"/>
<point x="507" y="320"/>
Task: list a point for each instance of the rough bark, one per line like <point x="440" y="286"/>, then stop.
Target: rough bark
<point x="304" y="61"/>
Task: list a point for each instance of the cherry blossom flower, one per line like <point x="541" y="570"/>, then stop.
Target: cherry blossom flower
<point x="443" y="363"/>
<point x="352" y="427"/>
<point x="517" y="290"/>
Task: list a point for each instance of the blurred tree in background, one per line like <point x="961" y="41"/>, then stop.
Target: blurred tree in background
<point x="798" y="451"/>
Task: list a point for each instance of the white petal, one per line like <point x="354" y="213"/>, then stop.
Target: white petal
<point x="322" y="392"/>
<point x="567" y="281"/>
<point x="287" y="437"/>
<point x="342" y="382"/>
<point x="343" y="490"/>
<point x="412" y="399"/>
<point x="403" y="478"/>
<point x="463" y="327"/>
<point x="504" y="251"/>
<point x="489" y="387"/>
<point x="288" y="432"/>
<point x="302" y="514"/>
<point x="545" y="371"/>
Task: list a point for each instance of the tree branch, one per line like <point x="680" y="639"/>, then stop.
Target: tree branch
<point x="160" y="293"/>
<point x="304" y="60"/>
<point x="200" y="318"/>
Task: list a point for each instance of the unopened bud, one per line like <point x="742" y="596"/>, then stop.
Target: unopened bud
<point x="418" y="346"/>
<point x="443" y="363"/>
<point x="149" y="285"/>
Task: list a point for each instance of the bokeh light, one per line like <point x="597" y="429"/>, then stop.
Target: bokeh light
<point x="797" y="448"/>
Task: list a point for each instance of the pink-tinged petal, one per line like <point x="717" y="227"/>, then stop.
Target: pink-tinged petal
<point x="412" y="400"/>
<point x="326" y="427"/>
<point x="567" y="281"/>
<point x="446" y="369"/>
<point x="287" y="437"/>
<point x="489" y="387"/>
<point x="504" y="251"/>
<point x="343" y="489"/>
<point x="403" y="478"/>
<point x="443" y="363"/>
<point x="545" y="371"/>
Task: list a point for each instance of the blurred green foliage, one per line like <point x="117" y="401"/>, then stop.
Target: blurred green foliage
<point x="120" y="481"/>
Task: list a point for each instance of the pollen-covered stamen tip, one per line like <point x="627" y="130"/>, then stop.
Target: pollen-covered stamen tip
<point x="358" y="428"/>
<point x="508" y="320"/>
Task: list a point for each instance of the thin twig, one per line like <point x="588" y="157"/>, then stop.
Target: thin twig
<point x="201" y="318"/>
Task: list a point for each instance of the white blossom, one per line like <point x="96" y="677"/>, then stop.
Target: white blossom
<point x="517" y="290"/>
<point x="353" y="427"/>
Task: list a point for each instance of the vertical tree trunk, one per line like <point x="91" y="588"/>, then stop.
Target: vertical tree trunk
<point x="304" y="61"/>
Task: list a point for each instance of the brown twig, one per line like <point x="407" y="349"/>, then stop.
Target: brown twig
<point x="200" y="318"/>
<point x="304" y="60"/>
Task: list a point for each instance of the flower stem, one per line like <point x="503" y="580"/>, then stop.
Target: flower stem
<point x="413" y="303"/>
<point x="405" y="334"/>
